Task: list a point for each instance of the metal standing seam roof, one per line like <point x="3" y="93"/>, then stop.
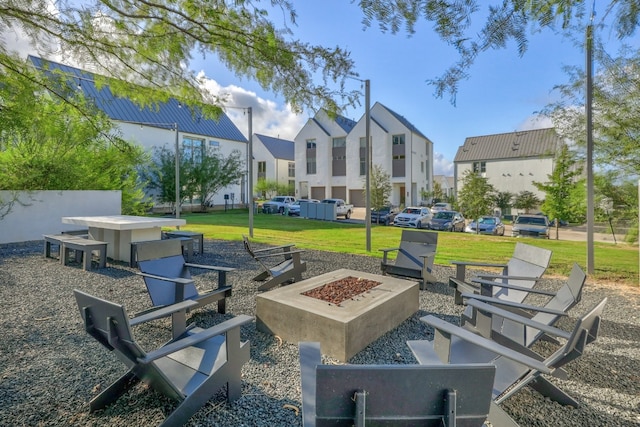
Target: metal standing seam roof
<point x="279" y="148"/>
<point x="346" y="124"/>
<point x="530" y="143"/>
<point x="166" y="113"/>
<point x="405" y="122"/>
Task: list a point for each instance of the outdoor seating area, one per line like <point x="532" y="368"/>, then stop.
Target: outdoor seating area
<point x="565" y="355"/>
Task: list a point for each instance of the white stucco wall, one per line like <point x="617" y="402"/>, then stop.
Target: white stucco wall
<point x="41" y="212"/>
<point x="149" y="137"/>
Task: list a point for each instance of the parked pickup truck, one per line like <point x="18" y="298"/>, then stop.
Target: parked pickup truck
<point x="342" y="209"/>
<point x="278" y="204"/>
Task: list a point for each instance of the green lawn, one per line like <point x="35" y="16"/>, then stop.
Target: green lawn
<point x="613" y="263"/>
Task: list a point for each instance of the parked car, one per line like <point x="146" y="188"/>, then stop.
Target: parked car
<point x="342" y="208"/>
<point x="440" y="207"/>
<point x="486" y="225"/>
<point x="530" y="226"/>
<point x="414" y="217"/>
<point x="446" y="221"/>
<point x="278" y="204"/>
<point x="385" y="215"/>
<point x="294" y="208"/>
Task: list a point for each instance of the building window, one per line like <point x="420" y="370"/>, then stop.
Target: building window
<point x="311" y="166"/>
<point x="292" y="169"/>
<point x="192" y="149"/>
<point x="398" y="139"/>
<point x="479" y="167"/>
<point x="214" y="144"/>
<point x="262" y="170"/>
<point x="421" y="167"/>
<point x="311" y="156"/>
<point x="339" y="142"/>
<point x="399" y="157"/>
<point x="363" y="154"/>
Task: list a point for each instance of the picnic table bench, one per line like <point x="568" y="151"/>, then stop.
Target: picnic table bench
<point x="83" y="248"/>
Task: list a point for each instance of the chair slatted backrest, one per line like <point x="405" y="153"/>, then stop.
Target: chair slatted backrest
<point x="249" y="249"/>
<point x="413" y="244"/>
<point x="164" y="258"/>
<point x="404" y="395"/>
<point x="108" y="323"/>
<point x="510" y="373"/>
<point x="567" y="296"/>
<point x="527" y="261"/>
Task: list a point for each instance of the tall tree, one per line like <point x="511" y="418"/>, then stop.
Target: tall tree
<point x="46" y="144"/>
<point x="380" y="187"/>
<point x="561" y="184"/>
<point x="503" y="199"/>
<point x="215" y="172"/>
<point x="475" y="198"/>
<point x="616" y="111"/>
<point x="501" y="22"/>
<point x="526" y="200"/>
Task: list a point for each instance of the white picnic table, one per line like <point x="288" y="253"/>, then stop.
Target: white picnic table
<point x="120" y="230"/>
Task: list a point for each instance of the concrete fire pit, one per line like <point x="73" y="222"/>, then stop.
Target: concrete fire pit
<point x="342" y="329"/>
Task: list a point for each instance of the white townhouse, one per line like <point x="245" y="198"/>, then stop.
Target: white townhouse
<point x="161" y="126"/>
<point x="330" y="157"/>
<point x="273" y="160"/>
<point x="510" y="161"/>
<point x="447" y="183"/>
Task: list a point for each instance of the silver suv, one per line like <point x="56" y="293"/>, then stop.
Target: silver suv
<point x="278" y="204"/>
<point x="531" y="226"/>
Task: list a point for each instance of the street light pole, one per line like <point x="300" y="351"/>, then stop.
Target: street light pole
<point x="175" y="126"/>
<point x="367" y="216"/>
<point x="588" y="108"/>
<point x="250" y="170"/>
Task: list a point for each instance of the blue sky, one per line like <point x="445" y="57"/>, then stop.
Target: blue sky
<point x="503" y="93"/>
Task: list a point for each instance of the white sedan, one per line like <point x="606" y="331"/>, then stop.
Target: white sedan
<point x="414" y="217"/>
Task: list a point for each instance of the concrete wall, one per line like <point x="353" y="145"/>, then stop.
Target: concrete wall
<point x="40" y="212"/>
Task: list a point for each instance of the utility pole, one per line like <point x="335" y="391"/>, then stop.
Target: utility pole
<point x="175" y="126"/>
<point x="589" y="113"/>
<point x="367" y="216"/>
<point x="250" y="170"/>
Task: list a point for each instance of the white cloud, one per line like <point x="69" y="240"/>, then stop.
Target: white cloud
<point x="268" y="117"/>
<point x="535" y="122"/>
<point x="442" y="166"/>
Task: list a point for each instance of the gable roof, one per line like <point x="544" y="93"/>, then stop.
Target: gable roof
<point x="124" y="110"/>
<point x="530" y="143"/>
<point x="279" y="148"/>
<point x="404" y="121"/>
<point x="346" y="124"/>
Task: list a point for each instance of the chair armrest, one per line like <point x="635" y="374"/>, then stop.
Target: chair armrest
<point x="279" y="254"/>
<point x="310" y="358"/>
<point x="166" y="279"/>
<point x="429" y="255"/>
<point x="477" y="264"/>
<point x="446" y="328"/>
<point x="274" y="248"/>
<point x="488" y="308"/>
<point x="196" y="338"/>
<point x="389" y="249"/>
<point x="498" y="301"/>
<point x="209" y="267"/>
<point x="162" y="312"/>
<point x="514" y="287"/>
<point x="507" y="277"/>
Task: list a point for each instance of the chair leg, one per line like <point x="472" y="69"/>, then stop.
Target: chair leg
<point x="114" y="391"/>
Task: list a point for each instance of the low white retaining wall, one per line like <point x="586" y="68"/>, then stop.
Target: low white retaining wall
<point x="40" y="212"/>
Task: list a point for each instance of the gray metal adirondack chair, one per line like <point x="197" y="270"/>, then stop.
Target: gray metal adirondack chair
<point x="190" y="368"/>
<point x="415" y="256"/>
<point x="506" y="330"/>
<point x="287" y="268"/>
<point x="515" y="368"/>
<point x="397" y="395"/>
<point x="168" y="279"/>
<point x="526" y="266"/>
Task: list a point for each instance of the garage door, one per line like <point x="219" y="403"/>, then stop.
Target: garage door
<point x="339" y="193"/>
<point x="356" y="198"/>
<point x="317" y="193"/>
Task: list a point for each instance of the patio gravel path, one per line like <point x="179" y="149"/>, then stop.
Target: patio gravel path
<point x="50" y="368"/>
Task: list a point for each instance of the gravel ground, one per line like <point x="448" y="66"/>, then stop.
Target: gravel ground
<point x="50" y="368"/>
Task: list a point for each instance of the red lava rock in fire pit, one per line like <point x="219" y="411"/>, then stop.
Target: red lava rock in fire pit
<point x="342" y="289"/>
